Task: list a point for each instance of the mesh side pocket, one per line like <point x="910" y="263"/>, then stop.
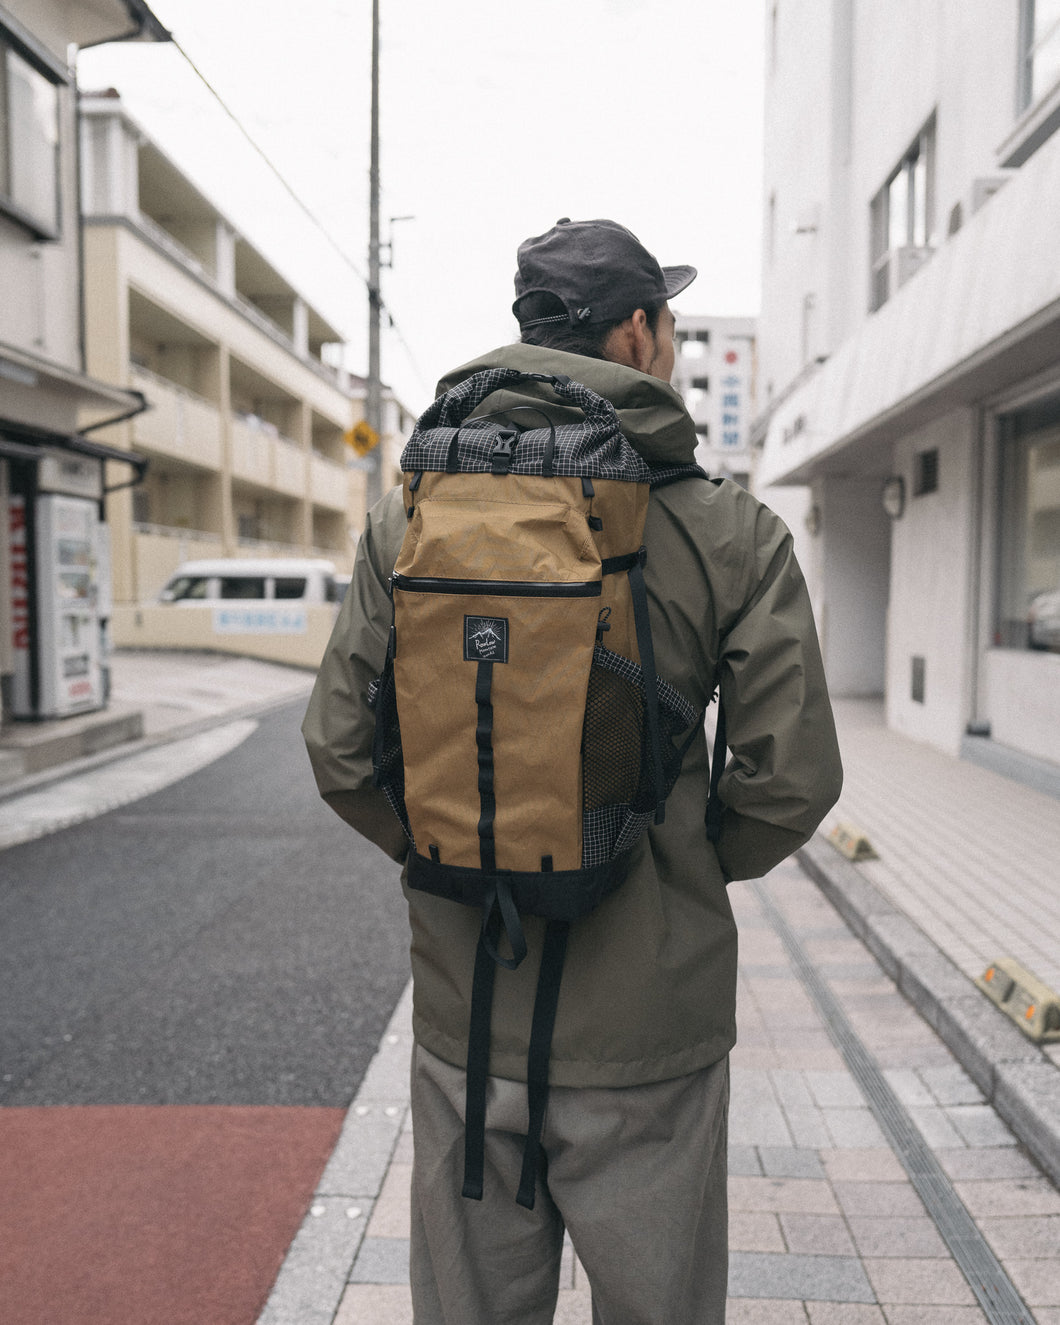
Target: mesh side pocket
<point x="618" y="800"/>
<point x="387" y="759"/>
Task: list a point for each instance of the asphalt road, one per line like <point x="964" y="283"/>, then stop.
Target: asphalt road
<point x="224" y="941"/>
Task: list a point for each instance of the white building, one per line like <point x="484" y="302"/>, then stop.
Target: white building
<point x="909" y="355"/>
<point x="52" y="566"/>
<point x="714" y="372"/>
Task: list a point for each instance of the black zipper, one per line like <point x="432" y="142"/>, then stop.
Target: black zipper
<point x="498" y="588"/>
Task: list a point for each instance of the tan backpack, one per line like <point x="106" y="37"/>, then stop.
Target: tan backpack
<point x="522" y="736"/>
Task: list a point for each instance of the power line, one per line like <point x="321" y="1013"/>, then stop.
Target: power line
<point x="298" y="201"/>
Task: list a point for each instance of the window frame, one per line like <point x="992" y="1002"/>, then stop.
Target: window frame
<point x="18" y="43"/>
<point x="1030" y="46"/>
<point x="917" y="162"/>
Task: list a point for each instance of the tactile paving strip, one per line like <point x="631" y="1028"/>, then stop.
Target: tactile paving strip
<point x="986" y="1276"/>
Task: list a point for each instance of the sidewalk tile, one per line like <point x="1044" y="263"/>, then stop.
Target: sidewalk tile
<point x="817" y="1235"/>
<point x="1027" y="1196"/>
<point x="873" y="1165"/>
<point x="937" y="1315"/>
<point x="1038" y="1281"/>
<point x="951" y="1084"/>
<point x="987" y="1163"/>
<point x="906" y="1236"/>
<point x="843" y="1313"/>
<point x="1024" y="1237"/>
<point x="744" y="1162"/>
<point x="979" y="1125"/>
<point x="895" y="1199"/>
<point x="909" y="1087"/>
<point x="935" y="1127"/>
<point x="782" y="1195"/>
<point x="381" y="1261"/>
<point x="798" y="1278"/>
<point x="853" y="1129"/>
<point x="918" y="1282"/>
<point x="790" y="1162"/>
<point x="835" y="1090"/>
<point x="390" y="1217"/>
<point x="755" y="1232"/>
<point x="375" y="1304"/>
<point x="573" y="1307"/>
<point x="758" y="1311"/>
<point x="809" y="1129"/>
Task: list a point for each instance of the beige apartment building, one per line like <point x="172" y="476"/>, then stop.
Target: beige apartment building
<point x="248" y="409"/>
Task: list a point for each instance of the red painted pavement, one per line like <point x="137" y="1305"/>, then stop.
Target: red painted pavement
<point x="152" y="1215"/>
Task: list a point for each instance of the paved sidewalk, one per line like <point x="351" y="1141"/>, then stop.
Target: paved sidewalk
<point x="826" y="1225"/>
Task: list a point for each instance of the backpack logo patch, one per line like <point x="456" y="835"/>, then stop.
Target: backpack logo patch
<point x="485" y="639"/>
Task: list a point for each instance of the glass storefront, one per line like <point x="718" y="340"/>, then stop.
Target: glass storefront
<point x="1028" y="615"/>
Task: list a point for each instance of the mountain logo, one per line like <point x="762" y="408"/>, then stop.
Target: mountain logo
<point x="485" y="639"/>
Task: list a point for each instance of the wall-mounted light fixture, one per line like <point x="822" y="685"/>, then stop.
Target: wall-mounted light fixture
<point x="893" y="496"/>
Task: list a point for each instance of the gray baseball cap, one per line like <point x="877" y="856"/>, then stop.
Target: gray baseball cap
<point x="599" y="270"/>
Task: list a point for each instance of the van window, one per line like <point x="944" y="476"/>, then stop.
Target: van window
<point x="243" y="586"/>
<point x="186" y="586"/>
<point x="289" y="588"/>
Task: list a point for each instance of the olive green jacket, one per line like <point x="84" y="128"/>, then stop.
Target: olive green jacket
<point x="649" y="984"/>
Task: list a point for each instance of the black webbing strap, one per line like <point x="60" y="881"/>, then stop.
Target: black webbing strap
<point x="544" y="1021"/>
<point x="714" y="805"/>
<point x="651" y="689"/>
<point x="478" y="1062"/>
<point x="484" y="741"/>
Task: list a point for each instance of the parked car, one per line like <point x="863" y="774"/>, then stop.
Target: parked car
<point x="268" y="579"/>
<point x="1043" y="618"/>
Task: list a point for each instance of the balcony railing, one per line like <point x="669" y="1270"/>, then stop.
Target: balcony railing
<point x="179" y="423"/>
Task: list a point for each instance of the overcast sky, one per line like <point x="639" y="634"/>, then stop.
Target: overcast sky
<point x="497" y="118"/>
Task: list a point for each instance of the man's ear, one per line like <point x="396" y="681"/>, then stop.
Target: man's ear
<point x="632" y="342"/>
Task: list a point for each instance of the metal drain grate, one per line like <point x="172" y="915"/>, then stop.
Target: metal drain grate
<point x="986" y="1276"/>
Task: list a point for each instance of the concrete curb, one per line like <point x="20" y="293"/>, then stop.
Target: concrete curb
<point x="1021" y="1083"/>
<point x="85" y="764"/>
<point x="318" y="1265"/>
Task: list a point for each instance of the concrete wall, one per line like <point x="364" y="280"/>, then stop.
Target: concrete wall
<point x="854" y="577"/>
<point x="933" y="571"/>
<point x="192" y="627"/>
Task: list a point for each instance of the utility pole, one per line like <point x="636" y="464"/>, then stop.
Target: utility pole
<point x="374" y="396"/>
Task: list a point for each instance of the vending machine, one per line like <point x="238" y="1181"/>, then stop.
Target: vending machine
<point x="71" y="677"/>
<point x="56" y="552"/>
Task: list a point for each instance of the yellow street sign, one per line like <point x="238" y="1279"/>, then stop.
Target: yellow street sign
<point x="361" y="437"/>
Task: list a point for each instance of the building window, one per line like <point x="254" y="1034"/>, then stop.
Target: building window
<point x="903" y="218"/>
<point x="700" y="383"/>
<point x="1039" y="49"/>
<point x="1029" y="545"/>
<point x="29" y="140"/>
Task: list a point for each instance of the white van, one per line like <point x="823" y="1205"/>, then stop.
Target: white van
<point x="263" y="579"/>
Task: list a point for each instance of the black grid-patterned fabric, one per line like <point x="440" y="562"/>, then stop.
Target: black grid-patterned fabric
<point x="388" y="758"/>
<point x="618" y="798"/>
<point x="593" y="448"/>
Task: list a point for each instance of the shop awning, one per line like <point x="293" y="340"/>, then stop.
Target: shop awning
<point x="21" y="441"/>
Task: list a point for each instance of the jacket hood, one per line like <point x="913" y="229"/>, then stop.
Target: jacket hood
<point x="652" y="414"/>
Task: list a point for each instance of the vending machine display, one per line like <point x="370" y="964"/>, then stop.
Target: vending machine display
<point x="71" y="679"/>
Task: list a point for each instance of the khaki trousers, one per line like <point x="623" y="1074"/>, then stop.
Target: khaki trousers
<point x="637" y="1175"/>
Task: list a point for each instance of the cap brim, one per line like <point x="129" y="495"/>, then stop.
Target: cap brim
<point x="678" y="279"/>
